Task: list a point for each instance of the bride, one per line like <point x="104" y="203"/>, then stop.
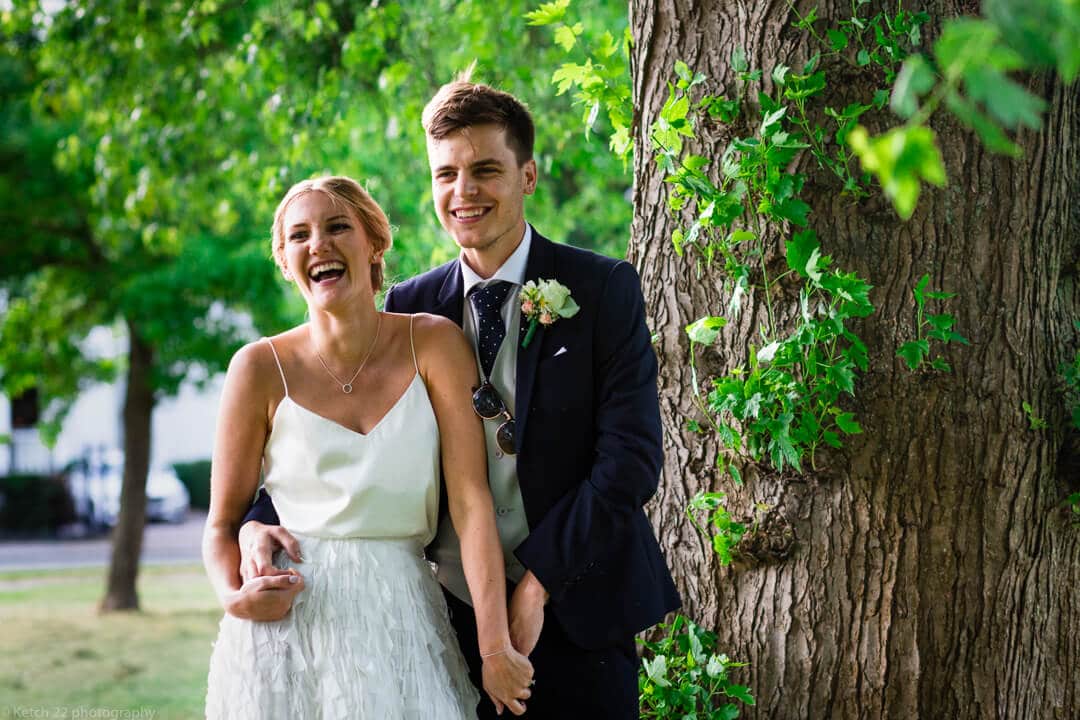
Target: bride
<point x="348" y="417"/>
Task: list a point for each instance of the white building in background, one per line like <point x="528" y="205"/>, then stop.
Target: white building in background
<point x="183" y="425"/>
<point x="183" y="429"/>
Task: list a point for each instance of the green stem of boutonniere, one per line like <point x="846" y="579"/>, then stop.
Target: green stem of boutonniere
<point x="533" y="322"/>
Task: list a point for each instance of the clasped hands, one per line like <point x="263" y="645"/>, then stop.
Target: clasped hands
<point x="267" y="594"/>
<point x="526" y="620"/>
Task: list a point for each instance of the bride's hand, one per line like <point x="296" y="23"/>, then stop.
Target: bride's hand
<point x="257" y="545"/>
<point x="507" y="678"/>
<point x="265" y="598"/>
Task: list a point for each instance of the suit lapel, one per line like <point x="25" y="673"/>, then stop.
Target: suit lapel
<point x="541" y="264"/>
<point x="449" y="300"/>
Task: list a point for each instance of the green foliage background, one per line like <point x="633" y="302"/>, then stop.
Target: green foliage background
<point x="145" y="146"/>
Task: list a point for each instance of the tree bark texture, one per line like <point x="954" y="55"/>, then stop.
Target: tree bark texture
<point x="121" y="593"/>
<point x="935" y="572"/>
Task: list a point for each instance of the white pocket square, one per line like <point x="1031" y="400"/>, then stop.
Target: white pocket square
<point x="560" y="351"/>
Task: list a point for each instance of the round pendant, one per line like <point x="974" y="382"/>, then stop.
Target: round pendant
<point x="346" y="388"/>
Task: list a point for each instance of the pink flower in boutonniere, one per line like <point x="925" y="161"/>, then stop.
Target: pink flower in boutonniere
<point x="543" y="302"/>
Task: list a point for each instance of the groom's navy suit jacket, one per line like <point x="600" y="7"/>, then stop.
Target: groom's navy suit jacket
<point x="588" y="442"/>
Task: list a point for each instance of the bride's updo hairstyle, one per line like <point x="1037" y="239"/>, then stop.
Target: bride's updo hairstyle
<point x="344" y="192"/>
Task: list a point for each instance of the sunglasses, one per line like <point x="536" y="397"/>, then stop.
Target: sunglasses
<point x="488" y="405"/>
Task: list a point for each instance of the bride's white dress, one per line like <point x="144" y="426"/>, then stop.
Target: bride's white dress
<point x="369" y="636"/>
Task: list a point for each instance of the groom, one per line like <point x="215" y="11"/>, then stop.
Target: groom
<point x="573" y="435"/>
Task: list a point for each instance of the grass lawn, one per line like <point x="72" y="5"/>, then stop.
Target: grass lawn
<point x="60" y="659"/>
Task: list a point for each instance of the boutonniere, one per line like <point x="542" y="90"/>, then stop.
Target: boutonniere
<point x="543" y="302"/>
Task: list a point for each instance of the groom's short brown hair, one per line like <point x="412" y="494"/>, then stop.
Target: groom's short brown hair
<point x="462" y="104"/>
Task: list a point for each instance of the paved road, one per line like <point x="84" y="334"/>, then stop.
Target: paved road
<point x="161" y="544"/>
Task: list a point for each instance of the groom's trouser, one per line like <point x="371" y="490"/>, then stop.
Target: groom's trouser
<point x="571" y="682"/>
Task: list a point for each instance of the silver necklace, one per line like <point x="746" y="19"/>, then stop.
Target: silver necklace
<point x="346" y="387"/>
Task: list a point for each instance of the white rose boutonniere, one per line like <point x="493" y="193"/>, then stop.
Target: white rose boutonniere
<point x="543" y="302"/>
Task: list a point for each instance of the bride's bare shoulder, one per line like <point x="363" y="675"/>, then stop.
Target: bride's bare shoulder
<point x="255" y="362"/>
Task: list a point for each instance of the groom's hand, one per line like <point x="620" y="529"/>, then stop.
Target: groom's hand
<point x="258" y="542"/>
<point x="265" y="598"/>
<point x="527" y="613"/>
<point x="507" y="678"/>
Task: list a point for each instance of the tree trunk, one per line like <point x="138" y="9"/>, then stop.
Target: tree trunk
<point x="934" y="571"/>
<point x="120" y="593"/>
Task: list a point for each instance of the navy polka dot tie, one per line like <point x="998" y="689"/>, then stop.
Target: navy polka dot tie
<point x="487" y="301"/>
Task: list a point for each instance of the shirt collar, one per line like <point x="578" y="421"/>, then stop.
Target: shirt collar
<point x="513" y="270"/>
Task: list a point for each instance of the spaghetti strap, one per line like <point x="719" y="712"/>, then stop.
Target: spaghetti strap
<point x="412" y="344"/>
<point x="278" y="361"/>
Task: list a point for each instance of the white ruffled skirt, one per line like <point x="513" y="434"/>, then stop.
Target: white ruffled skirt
<point x="368" y="638"/>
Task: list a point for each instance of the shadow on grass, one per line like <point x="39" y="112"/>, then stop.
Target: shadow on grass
<point x="62" y="659"/>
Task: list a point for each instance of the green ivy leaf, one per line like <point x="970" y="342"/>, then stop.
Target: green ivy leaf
<point x="852" y="290"/>
<point x="676" y="108"/>
<point x="740" y="692"/>
<point x="964" y="42"/>
<point x="813" y="266"/>
<point x="901" y="159"/>
<point x="695" y="163"/>
<point x="782" y="450"/>
<point x="704" y="331"/>
<point x="1005" y="100"/>
<point x="1034" y="421"/>
<point x="738" y="60"/>
<point x="919" y="291"/>
<point x="772" y="119"/>
<point x="941" y="365"/>
<point x="913" y="352"/>
<point x="731" y="439"/>
<point x="800" y="87"/>
<point x="807" y="22"/>
<point x="566" y="36"/>
<point x="767" y="104"/>
<point x="656" y="670"/>
<point x="735" y="474"/>
<point x="568" y="74"/>
<point x="794" y="210"/>
<point x="728" y="711"/>
<point x="856" y="352"/>
<point x="740" y="285"/>
<point x="843" y="377"/>
<point x="683" y="71"/>
<point x="548" y="13"/>
<point x="838" y="40"/>
<point x="847" y="423"/>
<point x="620" y="141"/>
<point x="941" y="323"/>
<point x="799" y="249"/>
<point x="766" y="354"/>
<point x="915" y="79"/>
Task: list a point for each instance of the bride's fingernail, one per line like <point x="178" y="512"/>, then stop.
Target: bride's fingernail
<point x="294" y="579"/>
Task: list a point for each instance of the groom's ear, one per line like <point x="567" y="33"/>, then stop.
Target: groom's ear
<point x="529" y="169"/>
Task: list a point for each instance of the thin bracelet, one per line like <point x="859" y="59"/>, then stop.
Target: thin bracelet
<point x="497" y="652"/>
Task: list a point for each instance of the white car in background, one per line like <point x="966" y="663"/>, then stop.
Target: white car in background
<point x="95" y="481"/>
